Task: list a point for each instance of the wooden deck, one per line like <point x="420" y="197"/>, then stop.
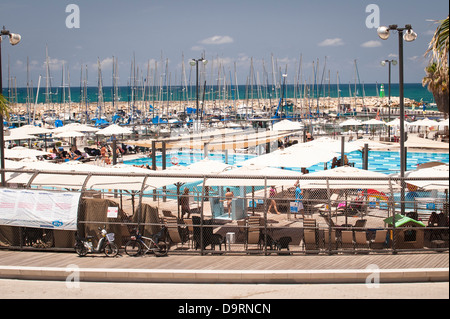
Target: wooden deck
<point x="257" y="263"/>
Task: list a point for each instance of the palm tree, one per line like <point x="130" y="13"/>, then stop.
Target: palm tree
<point x="4" y="107"/>
<point x="437" y="73"/>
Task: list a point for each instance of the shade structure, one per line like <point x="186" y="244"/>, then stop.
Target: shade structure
<point x="346" y="177"/>
<point x="440" y="171"/>
<point x="255" y="175"/>
<point x="303" y="155"/>
<point x="293" y="157"/>
<point x="131" y="179"/>
<point x="287" y="125"/>
<point x="350" y="122"/>
<point x="114" y="129"/>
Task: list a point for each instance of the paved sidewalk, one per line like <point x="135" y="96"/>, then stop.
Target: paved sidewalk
<point x="418" y="267"/>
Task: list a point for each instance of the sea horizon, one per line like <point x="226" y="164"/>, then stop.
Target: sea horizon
<point x="413" y="91"/>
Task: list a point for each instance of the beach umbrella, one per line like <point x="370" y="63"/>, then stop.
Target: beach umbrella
<point x="373" y="122"/>
<point x="20" y="152"/>
<point x="17" y="135"/>
<point x="425" y="122"/>
<point x="31" y="130"/>
<point x="287" y="125"/>
<point x="114" y="129"/>
<point x="69" y="134"/>
<point x="350" y="122"/>
<point x="396" y="122"/>
<point x="76" y="127"/>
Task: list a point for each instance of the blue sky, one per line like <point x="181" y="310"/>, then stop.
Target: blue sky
<point x="228" y="32"/>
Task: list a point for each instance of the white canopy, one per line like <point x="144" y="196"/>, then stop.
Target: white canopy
<point x="294" y="157"/>
<point x="435" y="171"/>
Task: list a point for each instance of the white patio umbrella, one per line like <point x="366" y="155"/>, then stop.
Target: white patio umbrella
<point x="69" y="134"/>
<point x="425" y="122"/>
<point x="31" y="130"/>
<point x="114" y="129"/>
<point x="77" y="127"/>
<point x="287" y="125"/>
<point x="373" y="122"/>
<point x="17" y="135"/>
<point x="20" y="152"/>
<point x="350" y="122"/>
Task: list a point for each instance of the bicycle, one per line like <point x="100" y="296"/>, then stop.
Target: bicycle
<point x="157" y="245"/>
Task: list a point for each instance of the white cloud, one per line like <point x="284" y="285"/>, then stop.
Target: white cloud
<point x="218" y="39"/>
<point x="55" y="64"/>
<point x="197" y="48"/>
<point x="331" y="42"/>
<point x="393" y="55"/>
<point x="372" y="44"/>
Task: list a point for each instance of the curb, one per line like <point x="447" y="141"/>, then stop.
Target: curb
<point x="368" y="276"/>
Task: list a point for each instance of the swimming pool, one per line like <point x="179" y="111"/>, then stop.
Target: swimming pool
<point x="379" y="161"/>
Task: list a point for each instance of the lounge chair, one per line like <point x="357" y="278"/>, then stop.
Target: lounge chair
<point x="380" y="239"/>
<point x="309" y="223"/>
<point x="347" y="239"/>
<point x="177" y="233"/>
<point x="360" y="223"/>
<point x="326" y="239"/>
<point x="361" y="241"/>
<point x="324" y="209"/>
<point x="190" y="227"/>
<point x="310" y="241"/>
<point x="253" y="230"/>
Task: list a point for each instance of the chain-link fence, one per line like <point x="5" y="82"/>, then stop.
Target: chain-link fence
<point x="305" y="214"/>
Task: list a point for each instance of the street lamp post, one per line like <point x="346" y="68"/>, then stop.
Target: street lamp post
<point x="194" y="62"/>
<point x="408" y="35"/>
<point x="383" y="63"/>
<point x="14" y="39"/>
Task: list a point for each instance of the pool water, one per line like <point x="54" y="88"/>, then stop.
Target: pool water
<point x="379" y="161"/>
<point x="389" y="162"/>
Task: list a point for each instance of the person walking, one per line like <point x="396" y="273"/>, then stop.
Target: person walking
<point x="272" y="196"/>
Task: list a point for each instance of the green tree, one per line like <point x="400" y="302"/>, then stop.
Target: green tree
<point x="437" y="73"/>
<point x="4" y="107"/>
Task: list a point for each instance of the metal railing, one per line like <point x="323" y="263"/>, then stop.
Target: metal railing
<point x="337" y="218"/>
